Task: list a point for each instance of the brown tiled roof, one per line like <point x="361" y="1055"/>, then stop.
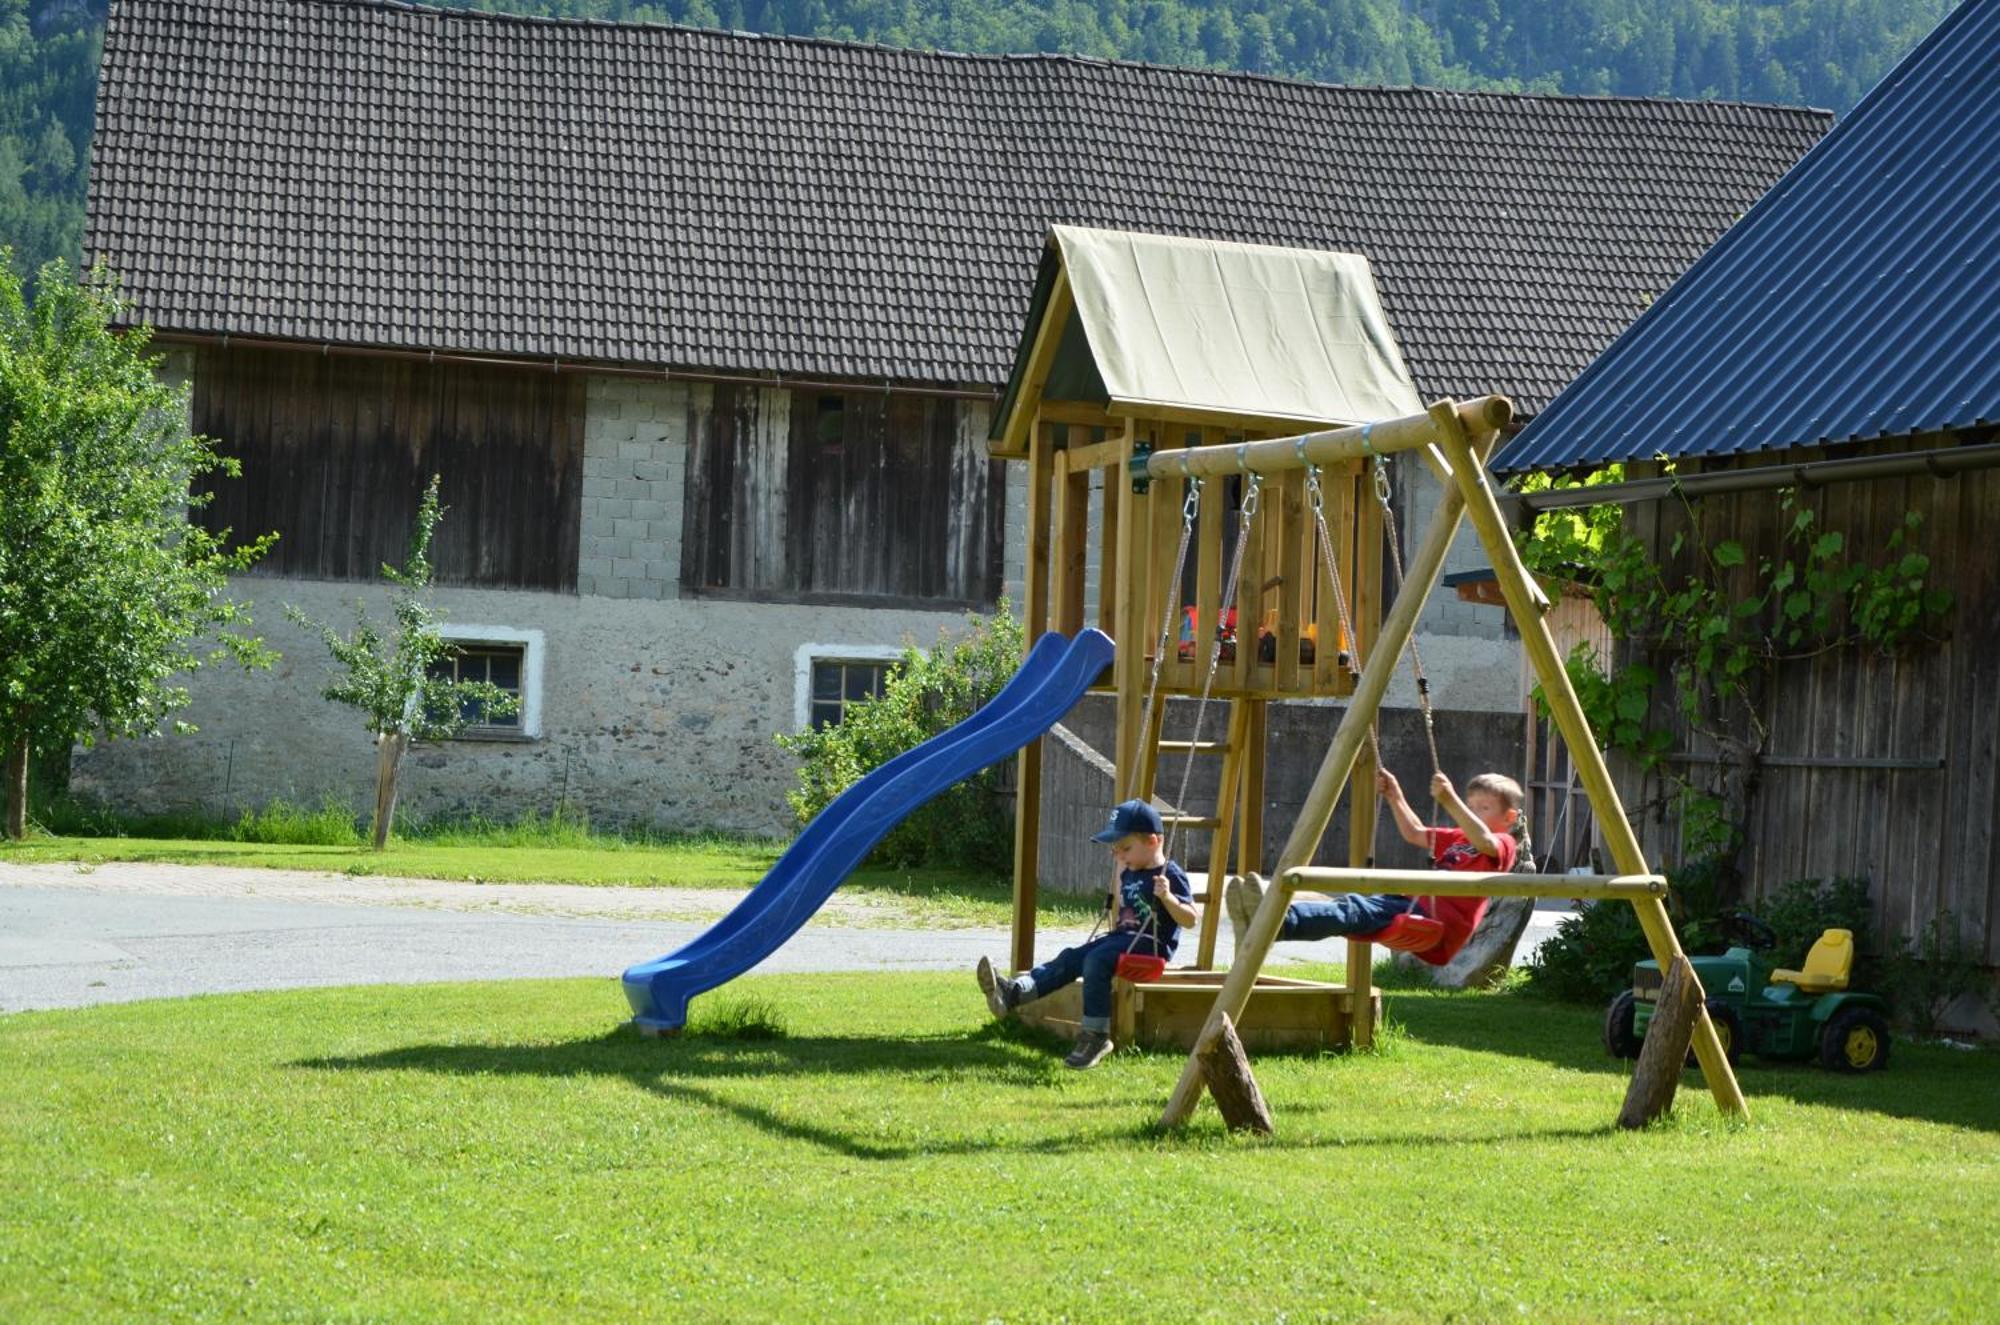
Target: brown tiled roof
<point x="368" y="173"/>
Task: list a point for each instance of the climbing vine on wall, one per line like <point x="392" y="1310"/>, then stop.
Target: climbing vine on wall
<point x="1718" y="619"/>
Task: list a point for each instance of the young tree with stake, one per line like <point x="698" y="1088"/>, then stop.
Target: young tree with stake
<point x="392" y="680"/>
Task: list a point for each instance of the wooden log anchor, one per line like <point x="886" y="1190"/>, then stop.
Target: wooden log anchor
<point x="1658" y="1073"/>
<point x="1227" y="1070"/>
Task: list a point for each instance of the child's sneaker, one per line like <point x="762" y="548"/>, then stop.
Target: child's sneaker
<point x="1002" y="996"/>
<point x="1242" y="897"/>
<point x="1092" y="1048"/>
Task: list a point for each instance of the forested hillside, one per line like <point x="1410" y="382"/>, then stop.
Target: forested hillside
<point x="1818" y="52"/>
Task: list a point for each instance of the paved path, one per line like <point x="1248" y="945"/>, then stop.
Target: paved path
<point x="77" y="935"/>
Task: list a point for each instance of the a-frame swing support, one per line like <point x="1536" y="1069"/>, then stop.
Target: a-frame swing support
<point x="1468" y="491"/>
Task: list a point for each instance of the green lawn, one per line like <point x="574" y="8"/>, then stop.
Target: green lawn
<point x="922" y="896"/>
<point x="511" y="1152"/>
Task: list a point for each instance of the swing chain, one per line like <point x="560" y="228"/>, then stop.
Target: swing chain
<point x="1255" y="483"/>
<point x="1188" y="510"/>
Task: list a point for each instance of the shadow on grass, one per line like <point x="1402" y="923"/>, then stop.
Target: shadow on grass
<point x="1924" y="1083"/>
<point x="700" y="1070"/>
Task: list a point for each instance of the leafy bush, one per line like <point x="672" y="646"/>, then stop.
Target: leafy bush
<point x="969" y="826"/>
<point x="1922" y="979"/>
<point x="1800" y="910"/>
<point x="1589" y="957"/>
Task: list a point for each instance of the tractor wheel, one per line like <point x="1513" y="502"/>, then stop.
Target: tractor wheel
<point x="1855" y="1040"/>
<point x="1620" y="1041"/>
<point x="1728" y="1029"/>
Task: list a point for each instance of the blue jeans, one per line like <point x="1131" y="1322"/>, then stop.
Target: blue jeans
<point x="1349" y="913"/>
<point x="1093" y="963"/>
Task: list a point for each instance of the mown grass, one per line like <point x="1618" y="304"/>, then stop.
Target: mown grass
<point x="869" y="1147"/>
<point x="537" y="851"/>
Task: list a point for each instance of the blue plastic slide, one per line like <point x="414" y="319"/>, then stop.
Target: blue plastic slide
<point x="1052" y="678"/>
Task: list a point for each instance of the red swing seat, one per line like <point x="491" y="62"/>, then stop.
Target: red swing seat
<point x="1429" y="940"/>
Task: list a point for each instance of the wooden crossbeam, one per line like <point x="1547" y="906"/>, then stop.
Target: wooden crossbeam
<point x="1280" y="455"/>
<point x="1455" y="884"/>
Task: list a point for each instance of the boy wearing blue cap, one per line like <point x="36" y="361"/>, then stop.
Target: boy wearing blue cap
<point x="1152" y="902"/>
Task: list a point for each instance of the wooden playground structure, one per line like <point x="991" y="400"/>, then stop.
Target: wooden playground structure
<point x="1212" y="511"/>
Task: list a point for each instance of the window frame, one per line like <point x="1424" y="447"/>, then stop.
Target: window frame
<point x="810" y="654"/>
<point x="532" y="644"/>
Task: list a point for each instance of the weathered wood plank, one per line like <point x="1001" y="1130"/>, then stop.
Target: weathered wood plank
<point x="336" y="451"/>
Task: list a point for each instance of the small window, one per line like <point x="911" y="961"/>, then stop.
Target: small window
<point x="497" y="664"/>
<point x="838" y="682"/>
<point x="830" y="423"/>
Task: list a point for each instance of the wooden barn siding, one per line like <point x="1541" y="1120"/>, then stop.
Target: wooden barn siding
<point x="1925" y="838"/>
<point x="901" y="506"/>
<point x="336" y="450"/>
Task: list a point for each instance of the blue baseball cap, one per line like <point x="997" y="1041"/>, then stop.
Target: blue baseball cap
<point x="1127" y="818"/>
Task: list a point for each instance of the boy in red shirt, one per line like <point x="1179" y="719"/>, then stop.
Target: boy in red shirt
<point x="1485" y="842"/>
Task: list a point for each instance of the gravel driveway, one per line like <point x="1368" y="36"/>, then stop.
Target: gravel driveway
<point x="75" y="935"/>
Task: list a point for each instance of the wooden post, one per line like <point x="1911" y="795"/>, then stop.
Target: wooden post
<point x="1658" y="1073"/>
<point x="1129" y="588"/>
<point x="1527" y="603"/>
<point x="1420" y="578"/>
<point x="1292" y="571"/>
<point x="1362" y="807"/>
<point x="1250" y="854"/>
<point x="1070" y="517"/>
<point x="1208" y="576"/>
<point x="1249" y="586"/>
<point x="1228" y="791"/>
<point x="1108" y="537"/>
<point x="1226" y="1068"/>
<point x="1028" y="769"/>
<point x="389" y="747"/>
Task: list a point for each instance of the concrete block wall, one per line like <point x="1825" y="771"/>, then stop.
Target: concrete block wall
<point x="1445" y="614"/>
<point x="634" y="476"/>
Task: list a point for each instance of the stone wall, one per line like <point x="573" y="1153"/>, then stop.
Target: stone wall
<point x="652" y="712"/>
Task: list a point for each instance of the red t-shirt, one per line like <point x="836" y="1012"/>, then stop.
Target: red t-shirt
<point x="1461" y="915"/>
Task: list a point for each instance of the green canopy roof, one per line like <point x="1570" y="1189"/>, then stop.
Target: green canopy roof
<point x="1163" y="324"/>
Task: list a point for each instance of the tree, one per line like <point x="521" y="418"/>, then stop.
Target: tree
<point x="394" y="680"/>
<point x="105" y="585"/>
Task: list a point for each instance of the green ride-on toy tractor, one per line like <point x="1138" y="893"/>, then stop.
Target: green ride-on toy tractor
<point x="1773" y="1014"/>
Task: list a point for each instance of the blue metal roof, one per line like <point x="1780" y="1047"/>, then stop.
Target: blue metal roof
<point x="1859" y="298"/>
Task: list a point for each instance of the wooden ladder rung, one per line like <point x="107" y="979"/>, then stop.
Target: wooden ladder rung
<point x="1194" y="747"/>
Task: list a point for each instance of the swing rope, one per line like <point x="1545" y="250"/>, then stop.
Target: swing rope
<point x="1382" y="495"/>
<point x="1348" y="655"/>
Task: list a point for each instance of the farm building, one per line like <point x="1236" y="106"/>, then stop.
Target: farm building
<point x="1830" y="361"/>
<point x="704" y="333"/>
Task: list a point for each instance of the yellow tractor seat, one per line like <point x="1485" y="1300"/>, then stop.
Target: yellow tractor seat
<point x="1827" y="965"/>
